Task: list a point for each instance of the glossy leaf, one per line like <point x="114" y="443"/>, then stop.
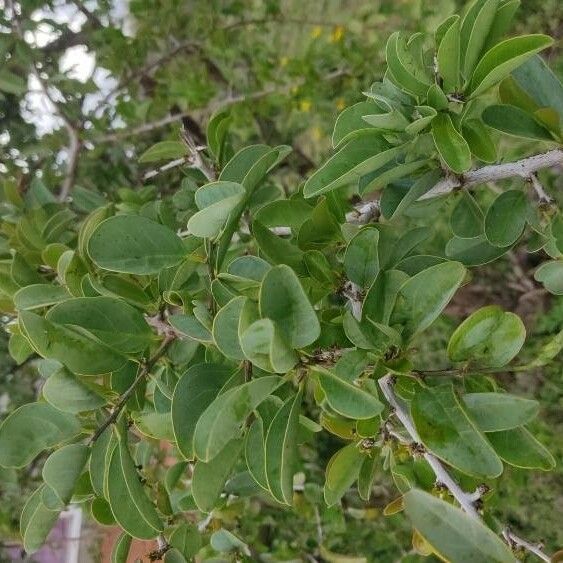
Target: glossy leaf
<point x="447" y="431"/>
<point x="134" y="245"/>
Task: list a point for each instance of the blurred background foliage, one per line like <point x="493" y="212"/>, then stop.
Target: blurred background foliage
<point x="125" y="74"/>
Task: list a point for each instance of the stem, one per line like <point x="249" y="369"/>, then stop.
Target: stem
<point x="127" y="394"/>
<point x="515" y="541"/>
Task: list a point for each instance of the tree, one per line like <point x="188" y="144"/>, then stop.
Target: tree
<point x="232" y="321"/>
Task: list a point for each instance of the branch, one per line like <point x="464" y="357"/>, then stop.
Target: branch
<point x="524" y="168"/>
<point x="465" y="500"/>
<point x="212" y="108"/>
<point x="127" y="394"/>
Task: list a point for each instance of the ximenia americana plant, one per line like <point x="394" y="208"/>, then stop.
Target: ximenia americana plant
<point x="228" y="323"/>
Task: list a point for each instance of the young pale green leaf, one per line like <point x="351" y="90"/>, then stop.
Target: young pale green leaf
<point x="222" y="419"/>
<point x="194" y="392"/>
<point x="489" y="336"/>
<point x="111" y="320"/>
<point x="361" y="259"/>
<point x="363" y="154"/>
<point x="38" y="296"/>
<point x="63" y="468"/>
<point x="503" y="58"/>
<point x="447" y="431"/>
<point x="404" y="68"/>
<point x="474" y="31"/>
<point x="121" y="547"/>
<point x="36" y="521"/>
<point x="451" y="145"/>
<point x="519" y="448"/>
<point x="266" y="347"/>
<point x="479" y="140"/>
<point x="422" y="298"/>
<point x="120" y="498"/>
<point x="467" y="220"/>
<point x="455" y="536"/>
<point x="448" y="55"/>
<point x="493" y="412"/>
<point x="165" y="150"/>
<point x="341" y="472"/>
<point x="77" y="349"/>
<point x="506" y="218"/>
<point x="209" y="478"/>
<point x="134" y="245"/>
<point x="283" y="300"/>
<point x="225" y="328"/>
<point x="515" y="121"/>
<point x="349" y="123"/>
<point x="346" y="398"/>
<point x="281" y="450"/>
<point x="32" y="428"/>
<point x="550" y="274"/>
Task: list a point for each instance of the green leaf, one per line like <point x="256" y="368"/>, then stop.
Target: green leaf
<point x="346" y="398"/>
<point x="455" y="535"/>
<point x="216" y="133"/>
<point x="186" y="539"/>
<point x="503" y="58"/>
<point x="191" y="327"/>
<point x="281" y="450"/>
<point x="519" y="448"/>
<point x="254" y="452"/>
<point x="422" y="298"/>
<point x="479" y="140"/>
<point x="474" y="31"/>
<point x="120" y="497"/>
<point x="101" y="512"/>
<point x="225" y="328"/>
<point x="494" y="412"/>
<point x="283" y="300"/>
<point x="489" y="336"/>
<point x="474" y="251"/>
<point x="277" y="249"/>
<point x="102" y="449"/>
<point x="448" y="56"/>
<point x="77" y="349"/>
<point x="32" y="428"/>
<point x="550" y="274"/>
<point x="63" y="468"/>
<point x="284" y="213"/>
<point x="506" y="218"/>
<point x="36" y="521"/>
<point x="209" y="478"/>
<point x="194" y="392"/>
<point x="117" y="324"/>
<point x="453" y="148"/>
<point x="393" y="120"/>
<point x="466" y="220"/>
<point x="361" y="259"/>
<point x="222" y="419"/>
<point x="422" y="185"/>
<point x="404" y="67"/>
<point x="224" y="542"/>
<point x="341" y="472"/>
<point x="216" y="201"/>
<point x="350" y="122"/>
<point x="368" y="473"/>
<point x="38" y="296"/>
<point x="134" y="245"/>
<point x="165" y="150"/>
<point x="266" y="347"/>
<point x="121" y="547"/>
<point x="447" y="431"/>
<point x="363" y="154"/>
<point x="502" y="21"/>
<point x="515" y="121"/>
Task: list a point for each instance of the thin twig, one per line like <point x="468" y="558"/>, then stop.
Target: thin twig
<point x="543" y="197"/>
<point x="127" y="394"/>
<point x="523" y="168"/>
<point x="515" y="541"/>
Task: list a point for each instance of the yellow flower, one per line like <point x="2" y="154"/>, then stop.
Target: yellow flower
<point x="337" y="34"/>
<point x="340" y="104"/>
<point x="305" y="105"/>
<point x="316" y="32"/>
<point x="284" y="61"/>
